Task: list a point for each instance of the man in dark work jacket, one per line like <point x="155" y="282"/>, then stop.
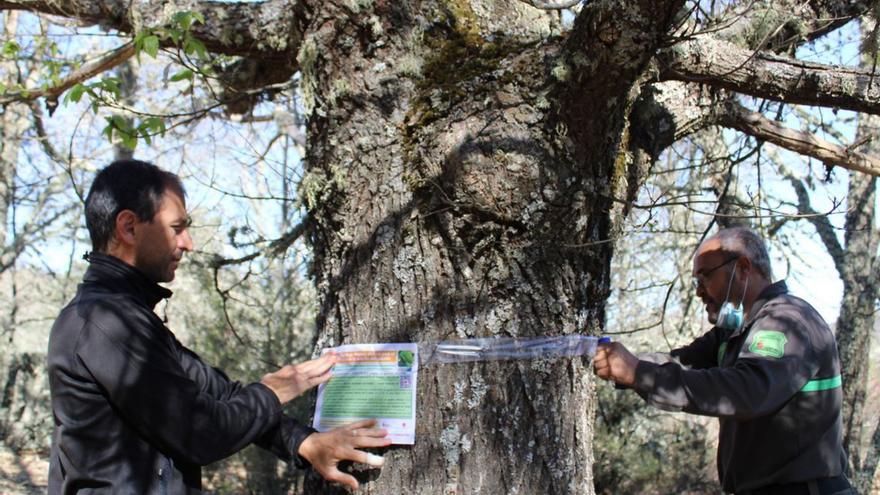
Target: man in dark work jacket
<point x="137" y="412"/>
<point x="768" y="369"/>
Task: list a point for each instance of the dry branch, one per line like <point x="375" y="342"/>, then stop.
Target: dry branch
<point x="755" y="124"/>
<point x="721" y="64"/>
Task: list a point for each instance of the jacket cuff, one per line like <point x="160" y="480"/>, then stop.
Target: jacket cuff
<point x="268" y="392"/>
<point x="298" y="434"/>
<point x="646" y="375"/>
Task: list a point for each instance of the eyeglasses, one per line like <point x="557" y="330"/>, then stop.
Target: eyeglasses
<point x="702" y="275"/>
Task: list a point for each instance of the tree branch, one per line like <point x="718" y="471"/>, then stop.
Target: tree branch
<point x="755" y="124"/>
<point x="820" y="222"/>
<point x="561" y="5"/>
<point x="606" y="54"/>
<point x="668" y="111"/>
<point x="87" y="71"/>
<point x="721" y="64"/>
<point x="780" y="25"/>
<point x="268" y="30"/>
<point x="274" y="248"/>
<point x="110" y="13"/>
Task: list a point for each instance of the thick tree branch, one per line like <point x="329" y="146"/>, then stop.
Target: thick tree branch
<point x="268" y="30"/>
<point x="805" y="143"/>
<point x="544" y="5"/>
<point x="604" y="58"/>
<point x="668" y="111"/>
<point x="87" y="71"/>
<point x="781" y="25"/>
<point x="721" y="64"/>
<point x="112" y="13"/>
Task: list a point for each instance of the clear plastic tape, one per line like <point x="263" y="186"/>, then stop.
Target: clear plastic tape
<point x="494" y="349"/>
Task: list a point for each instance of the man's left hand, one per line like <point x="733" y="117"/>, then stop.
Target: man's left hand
<point x="326" y="450"/>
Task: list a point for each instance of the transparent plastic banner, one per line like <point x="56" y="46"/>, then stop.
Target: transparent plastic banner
<point x="499" y="348"/>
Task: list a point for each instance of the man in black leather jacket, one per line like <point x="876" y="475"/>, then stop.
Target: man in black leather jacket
<point x="137" y="412"/>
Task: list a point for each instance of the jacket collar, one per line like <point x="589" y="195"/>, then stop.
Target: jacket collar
<point x="120" y="276"/>
<point x="773" y="290"/>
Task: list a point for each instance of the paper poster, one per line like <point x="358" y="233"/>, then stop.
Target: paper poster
<point x="371" y="381"/>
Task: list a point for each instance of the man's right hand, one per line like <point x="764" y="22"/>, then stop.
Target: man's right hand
<point x="326" y="450"/>
<point x="292" y="380"/>
<point x="615" y="363"/>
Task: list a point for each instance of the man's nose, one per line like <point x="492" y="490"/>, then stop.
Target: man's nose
<point x="184" y="241"/>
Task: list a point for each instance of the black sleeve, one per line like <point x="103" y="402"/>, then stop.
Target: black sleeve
<point x="759" y="382"/>
<point x="282" y="440"/>
<point x="704" y="352"/>
<point x="143" y="379"/>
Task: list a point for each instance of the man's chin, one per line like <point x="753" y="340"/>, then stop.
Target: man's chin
<point x="712" y="316"/>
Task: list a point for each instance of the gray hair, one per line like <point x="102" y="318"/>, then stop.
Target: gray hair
<point x="746" y="242"/>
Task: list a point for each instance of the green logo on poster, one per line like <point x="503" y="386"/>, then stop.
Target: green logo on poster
<point x="405" y="359"/>
<point x="768" y="343"/>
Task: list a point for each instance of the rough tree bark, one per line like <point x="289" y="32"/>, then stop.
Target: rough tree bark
<point x="466" y="204"/>
<point x="855" y="324"/>
<point x="856" y="320"/>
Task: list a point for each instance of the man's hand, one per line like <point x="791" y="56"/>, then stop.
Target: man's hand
<point x="614" y="362"/>
<point x="326" y="450"/>
<point x="292" y="380"/>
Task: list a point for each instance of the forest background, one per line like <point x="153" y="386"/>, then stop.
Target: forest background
<point x="83" y="85"/>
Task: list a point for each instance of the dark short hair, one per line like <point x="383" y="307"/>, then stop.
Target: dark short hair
<point x="126" y="185"/>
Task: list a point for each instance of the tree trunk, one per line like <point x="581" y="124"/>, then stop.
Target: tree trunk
<point x="855" y="324"/>
<point x="470" y="202"/>
<point x="14" y="122"/>
<point x="856" y="320"/>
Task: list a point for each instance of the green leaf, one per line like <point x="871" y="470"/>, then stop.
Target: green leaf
<point x="127" y="136"/>
<point x="109" y="84"/>
<point x="197" y="16"/>
<point x="182" y="19"/>
<point x="151" y="45"/>
<point x="11" y="49"/>
<point x="2" y="89"/>
<point x="192" y="44"/>
<point x="185" y="74"/>
<point x="175" y="35"/>
<point x="119" y="123"/>
<point x="108" y="129"/>
<point x="128" y="140"/>
<point x="75" y="93"/>
<point x="145" y="133"/>
<point x="156" y="125"/>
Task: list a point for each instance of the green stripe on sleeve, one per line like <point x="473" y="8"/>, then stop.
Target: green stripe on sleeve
<point x="721" y="350"/>
<point x="823" y="384"/>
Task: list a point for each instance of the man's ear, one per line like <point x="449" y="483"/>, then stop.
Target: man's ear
<point x="125" y="222"/>
<point x="745" y="265"/>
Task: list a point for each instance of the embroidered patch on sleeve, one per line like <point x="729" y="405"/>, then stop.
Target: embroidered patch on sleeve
<point x="768" y="343"/>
